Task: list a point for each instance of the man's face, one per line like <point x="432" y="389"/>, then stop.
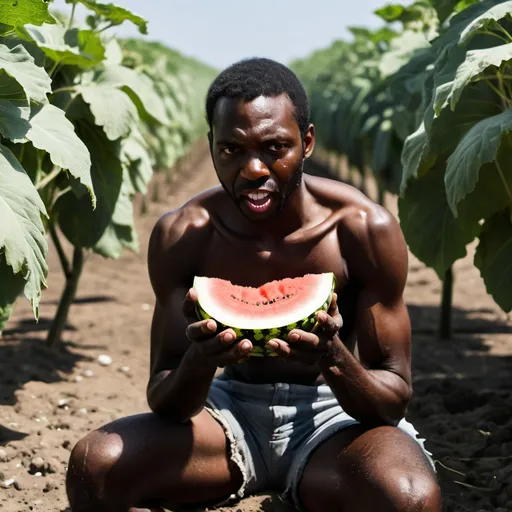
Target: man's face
<point x="258" y="153"/>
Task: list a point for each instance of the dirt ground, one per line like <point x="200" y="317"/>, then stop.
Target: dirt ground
<point x="50" y="399"/>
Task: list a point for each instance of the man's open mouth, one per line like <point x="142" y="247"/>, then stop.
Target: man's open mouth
<point x="258" y="201"/>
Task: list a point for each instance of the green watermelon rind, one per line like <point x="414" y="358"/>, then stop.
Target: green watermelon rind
<point x="260" y="337"/>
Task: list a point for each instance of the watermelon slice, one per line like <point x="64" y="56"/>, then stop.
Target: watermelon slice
<point x="270" y="311"/>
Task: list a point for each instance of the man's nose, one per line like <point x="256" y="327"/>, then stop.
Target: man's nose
<point x="254" y="169"/>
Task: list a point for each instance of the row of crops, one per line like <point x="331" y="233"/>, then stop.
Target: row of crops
<point x="424" y="104"/>
<point x="85" y="119"/>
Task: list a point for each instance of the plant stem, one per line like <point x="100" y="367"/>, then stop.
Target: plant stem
<point x="60" y="251"/>
<point x="156" y="192"/>
<point x="53" y="69"/>
<point x="22" y="153"/>
<point x="71" y="17"/>
<point x="498" y="92"/>
<point x="493" y="34"/>
<point x="62" y="89"/>
<point x="68" y="104"/>
<point x="106" y="27"/>
<point x="445" y="324"/>
<point x="502" y="176"/>
<point x="49" y="177"/>
<point x="504" y="31"/>
<point x="66" y="299"/>
<point x="7" y="32"/>
<point x="144" y="205"/>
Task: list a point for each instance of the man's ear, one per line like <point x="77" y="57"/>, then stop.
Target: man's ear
<point x="210" y="140"/>
<point x="309" y="141"/>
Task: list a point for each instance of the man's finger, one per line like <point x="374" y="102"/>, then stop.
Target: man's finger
<point x="202" y="330"/>
<point x="303" y="340"/>
<point x="333" y="306"/>
<point x="285" y="351"/>
<point x="219" y="343"/>
<point x="330" y="325"/>
<point x="280" y="347"/>
<point x="239" y="352"/>
<point x="188" y="306"/>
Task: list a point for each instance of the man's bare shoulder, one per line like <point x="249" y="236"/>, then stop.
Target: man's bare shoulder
<point x="356" y="210"/>
<point x="371" y="239"/>
<point x="178" y="235"/>
<point x="185" y="223"/>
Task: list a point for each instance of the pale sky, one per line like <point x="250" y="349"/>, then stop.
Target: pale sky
<point x="220" y="32"/>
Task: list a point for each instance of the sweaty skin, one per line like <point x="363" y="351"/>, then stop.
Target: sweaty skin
<point x="362" y="350"/>
<point x="331" y="227"/>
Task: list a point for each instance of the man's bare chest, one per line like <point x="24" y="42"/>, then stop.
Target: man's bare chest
<point x="253" y="263"/>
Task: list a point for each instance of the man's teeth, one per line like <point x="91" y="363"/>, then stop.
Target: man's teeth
<point x="258" y="196"/>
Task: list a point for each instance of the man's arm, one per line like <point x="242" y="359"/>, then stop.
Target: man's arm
<point x="377" y="388"/>
<point x="179" y="376"/>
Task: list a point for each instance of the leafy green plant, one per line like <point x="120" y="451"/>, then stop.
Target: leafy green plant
<point x="77" y="124"/>
<point x="427" y="110"/>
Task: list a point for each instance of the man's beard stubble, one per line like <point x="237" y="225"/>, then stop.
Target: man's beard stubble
<point x="287" y="190"/>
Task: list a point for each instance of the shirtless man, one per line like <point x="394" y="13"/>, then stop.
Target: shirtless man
<point x="323" y="422"/>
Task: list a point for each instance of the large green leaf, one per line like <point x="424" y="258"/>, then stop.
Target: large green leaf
<point x="401" y="50"/>
<point x="113" y="53"/>
<point x="135" y="156"/>
<point x="115" y="14"/>
<point x="477" y="62"/>
<point x="415" y="12"/>
<point x="412" y="154"/>
<point x="493" y="189"/>
<point x="140" y="88"/>
<point x="82" y="225"/>
<point x="14" y="108"/>
<point x="482" y="22"/>
<point x="494" y="258"/>
<point x="20" y="12"/>
<point x="51" y="131"/>
<point x="115" y="239"/>
<point x="390" y="12"/>
<point x="82" y="48"/>
<point x="444" y="7"/>
<point x="112" y="109"/>
<point x="433" y="234"/>
<point x="22" y="234"/>
<point x="121" y="231"/>
<point x="477" y="102"/>
<point x="453" y="36"/>
<point x="19" y="64"/>
<point x="123" y="211"/>
<point x="479" y="146"/>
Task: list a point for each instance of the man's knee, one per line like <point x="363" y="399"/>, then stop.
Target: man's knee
<point x="90" y="482"/>
<point x="393" y="490"/>
<point x="411" y="492"/>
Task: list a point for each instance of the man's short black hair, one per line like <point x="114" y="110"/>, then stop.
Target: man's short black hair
<point x="250" y="78"/>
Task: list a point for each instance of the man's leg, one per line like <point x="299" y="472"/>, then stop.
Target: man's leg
<point x="146" y="461"/>
<point x="363" y="470"/>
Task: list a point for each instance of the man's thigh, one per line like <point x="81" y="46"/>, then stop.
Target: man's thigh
<point x="144" y="459"/>
<point x="360" y="469"/>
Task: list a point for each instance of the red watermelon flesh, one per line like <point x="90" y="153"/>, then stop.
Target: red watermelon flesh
<point x="274" y="305"/>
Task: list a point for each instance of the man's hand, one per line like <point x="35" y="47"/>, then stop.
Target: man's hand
<point x="214" y="348"/>
<point x="310" y="347"/>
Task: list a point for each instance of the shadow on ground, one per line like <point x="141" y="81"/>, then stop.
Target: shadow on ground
<point x="29" y="359"/>
<point x="25" y="357"/>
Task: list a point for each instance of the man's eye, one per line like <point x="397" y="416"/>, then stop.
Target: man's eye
<point x="276" y="146"/>
<point x="229" y="150"/>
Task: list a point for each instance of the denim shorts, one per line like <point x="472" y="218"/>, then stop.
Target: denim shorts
<point x="272" y="430"/>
